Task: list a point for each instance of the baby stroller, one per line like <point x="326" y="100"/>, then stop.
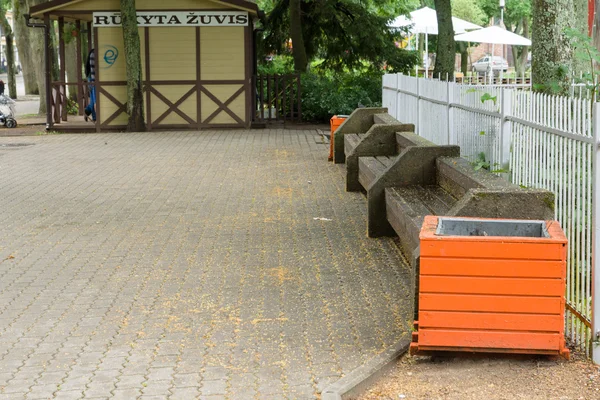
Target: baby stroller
<point x="7" y="112"/>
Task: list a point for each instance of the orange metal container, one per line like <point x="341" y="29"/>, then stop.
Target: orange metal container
<point x="491" y="293"/>
<point x="335" y="123"/>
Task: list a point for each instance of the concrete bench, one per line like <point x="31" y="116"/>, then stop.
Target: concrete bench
<point x="413" y="164"/>
<point x="379" y="140"/>
<point x="359" y="122"/>
<point x="460" y="190"/>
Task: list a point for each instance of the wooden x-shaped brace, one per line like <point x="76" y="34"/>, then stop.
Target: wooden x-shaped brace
<point x="173" y="107"/>
<point x="121" y="108"/>
<point x="223" y="106"/>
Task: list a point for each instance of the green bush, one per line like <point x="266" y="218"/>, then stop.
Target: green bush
<point x="326" y="95"/>
<point x="277" y="65"/>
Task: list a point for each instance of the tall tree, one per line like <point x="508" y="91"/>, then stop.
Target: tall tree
<point x="70" y="38"/>
<point x="133" y="62"/>
<point x="580" y="22"/>
<point x="54" y="51"/>
<point x="298" y="48"/>
<point x="446" y="49"/>
<point x="552" y="53"/>
<point x="468" y="10"/>
<point x="517" y="19"/>
<point x="9" y="50"/>
<point x="343" y="33"/>
<point x="37" y="43"/>
<point x="23" y="41"/>
<point x="596" y="33"/>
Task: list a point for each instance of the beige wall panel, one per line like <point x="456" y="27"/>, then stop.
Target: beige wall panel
<point x="207" y="106"/>
<point x="172" y="119"/>
<point x="107" y="5"/>
<point x="174" y="93"/>
<point x="173" y="54"/>
<point x="238" y="108"/>
<point x="223" y="93"/>
<point x="222" y="53"/>
<point x="158" y="107"/>
<point x="107" y="107"/>
<point x="223" y="118"/>
<point x="110" y="40"/>
<point x="110" y="43"/>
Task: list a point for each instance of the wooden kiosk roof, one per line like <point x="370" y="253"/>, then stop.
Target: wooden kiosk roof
<point x="58" y="5"/>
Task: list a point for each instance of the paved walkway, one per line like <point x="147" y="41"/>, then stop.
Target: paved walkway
<point x="187" y="265"/>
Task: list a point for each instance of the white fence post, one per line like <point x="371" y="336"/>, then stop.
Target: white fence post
<point x="418" y="109"/>
<point x="596" y="239"/>
<point x="396" y="98"/>
<point x="449" y="110"/>
<point x="505" y="128"/>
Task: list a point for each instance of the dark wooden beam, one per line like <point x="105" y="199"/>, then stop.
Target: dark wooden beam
<point x="79" y="62"/>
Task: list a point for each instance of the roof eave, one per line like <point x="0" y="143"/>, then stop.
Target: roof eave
<point x="44" y="8"/>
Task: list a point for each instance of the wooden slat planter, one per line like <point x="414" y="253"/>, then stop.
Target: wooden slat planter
<point x="494" y="292"/>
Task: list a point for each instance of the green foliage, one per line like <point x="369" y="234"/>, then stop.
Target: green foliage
<point x="486" y="96"/>
<point x="481" y="162"/>
<point x="343" y="33"/>
<point x="70" y="32"/>
<point x="72" y="107"/>
<point x="586" y="52"/>
<point x="276" y="65"/>
<point x="469" y="10"/>
<point x="326" y="95"/>
<point x="514" y="11"/>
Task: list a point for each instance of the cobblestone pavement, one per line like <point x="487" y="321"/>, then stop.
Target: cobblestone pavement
<point x="187" y="265"/>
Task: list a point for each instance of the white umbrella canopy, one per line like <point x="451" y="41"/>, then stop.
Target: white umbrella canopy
<point x="493" y="35"/>
<point x="424" y="20"/>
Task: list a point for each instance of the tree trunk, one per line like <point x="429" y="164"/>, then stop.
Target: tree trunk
<point x="23" y="39"/>
<point x="444" y="58"/>
<point x="36" y="44"/>
<point x="580" y="11"/>
<point x="298" y="48"/>
<point x="54" y="53"/>
<point x="133" y="61"/>
<point x="464" y="58"/>
<point x="520" y="53"/>
<point x="596" y="32"/>
<point x="37" y="51"/>
<point x="71" y="66"/>
<point x="553" y="56"/>
<point x="10" y="53"/>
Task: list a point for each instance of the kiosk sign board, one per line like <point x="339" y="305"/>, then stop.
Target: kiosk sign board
<point x="174" y="18"/>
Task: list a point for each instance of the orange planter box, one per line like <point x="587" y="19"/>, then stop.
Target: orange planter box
<point x="335" y="123"/>
<point x="488" y="285"/>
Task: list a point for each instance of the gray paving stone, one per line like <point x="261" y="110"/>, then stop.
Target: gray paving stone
<point x="184" y="393"/>
<point x="187" y="264"/>
<point x="126" y="394"/>
<point x="68" y="395"/>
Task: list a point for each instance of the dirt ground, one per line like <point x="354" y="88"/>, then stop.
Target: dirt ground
<point x="23" y="130"/>
<point x="476" y="378"/>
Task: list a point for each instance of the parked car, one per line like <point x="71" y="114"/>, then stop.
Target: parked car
<point x="486" y="63"/>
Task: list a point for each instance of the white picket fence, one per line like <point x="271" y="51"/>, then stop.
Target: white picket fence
<point x="535" y="140"/>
